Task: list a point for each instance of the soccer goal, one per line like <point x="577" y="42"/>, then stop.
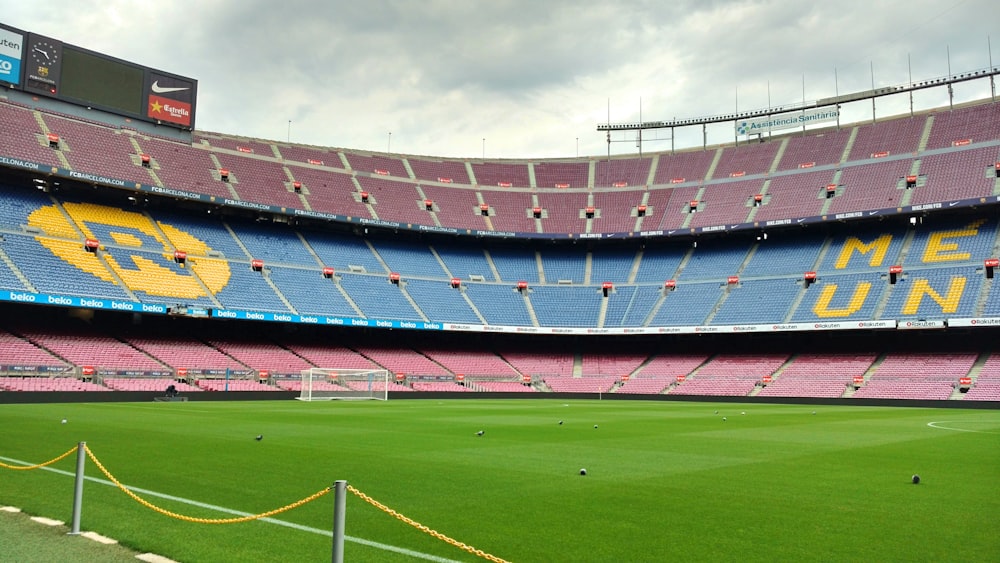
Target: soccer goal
<point x="325" y="384"/>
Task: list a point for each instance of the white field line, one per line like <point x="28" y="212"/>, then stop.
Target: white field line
<point x="940" y="425"/>
<point x="300" y="527"/>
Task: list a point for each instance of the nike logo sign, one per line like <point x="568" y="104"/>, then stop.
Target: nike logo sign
<point x="164" y="90"/>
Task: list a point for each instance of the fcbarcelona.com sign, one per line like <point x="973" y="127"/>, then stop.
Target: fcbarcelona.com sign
<point x="785" y="121"/>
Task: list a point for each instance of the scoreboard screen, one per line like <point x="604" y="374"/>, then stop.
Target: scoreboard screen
<point x="101" y="82"/>
<point x="73" y="74"/>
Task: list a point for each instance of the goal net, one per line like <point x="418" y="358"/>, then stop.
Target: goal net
<point x="325" y="384"/>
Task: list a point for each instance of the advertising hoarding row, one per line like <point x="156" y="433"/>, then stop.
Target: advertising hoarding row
<point x="330" y="320"/>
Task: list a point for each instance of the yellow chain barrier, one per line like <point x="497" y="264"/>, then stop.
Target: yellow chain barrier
<point x="423" y="528"/>
<point x="267" y="514"/>
<point x="40" y="465"/>
<point x="166" y="512"/>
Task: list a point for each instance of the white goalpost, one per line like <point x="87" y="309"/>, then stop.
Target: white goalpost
<point x="326" y="384"/>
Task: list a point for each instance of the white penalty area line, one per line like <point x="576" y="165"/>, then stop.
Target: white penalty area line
<point x="300" y="527"/>
<point x="940" y="426"/>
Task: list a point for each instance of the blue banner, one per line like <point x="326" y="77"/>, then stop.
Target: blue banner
<point x="82" y="302"/>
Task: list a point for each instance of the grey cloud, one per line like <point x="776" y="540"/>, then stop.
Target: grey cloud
<point x="529" y="76"/>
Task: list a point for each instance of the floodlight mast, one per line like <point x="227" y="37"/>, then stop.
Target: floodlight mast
<point x="993" y="86"/>
<point x="947" y="81"/>
<point x="637" y="139"/>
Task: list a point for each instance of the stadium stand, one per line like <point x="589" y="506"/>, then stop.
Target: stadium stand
<point x="539" y="362"/>
<point x="22" y="137"/>
<point x="794" y="195"/>
<point x="395" y="201"/>
<point x="158" y="385"/>
<point x="481" y="364"/>
<point x="554" y="174"/>
<point x="888" y="137"/>
<point x="499" y="304"/>
<point x="261" y="355"/>
<point x="986" y="387"/>
<point x="817" y="149"/>
<point x="442" y="171"/>
<point x="231" y="143"/>
<point x="870" y="186"/>
<point x="950" y="176"/>
<point x="618" y="211"/>
<point x="439" y="387"/>
<point x="818" y="375"/>
<point x="645" y="386"/>
<point x="49" y="384"/>
<point x="93" y="148"/>
<point x="563" y="212"/>
<point x="503" y="387"/>
<point x="182" y="352"/>
<point x="511" y="211"/>
<point x="234" y="385"/>
<point x="590" y="384"/>
<point x="402" y="360"/>
<point x="501" y="174"/>
<point x="310" y="293"/>
<point x="330" y="192"/>
<point x="43" y="237"/>
<point x="622" y="172"/>
<point x="86" y="348"/>
<point x="19" y="352"/>
<point x="975" y="124"/>
<point x="683" y="167"/>
<point x="746" y="160"/>
<point x="715" y="386"/>
<point x="374" y="164"/>
<point x="259" y="181"/>
<point x="455" y="208"/>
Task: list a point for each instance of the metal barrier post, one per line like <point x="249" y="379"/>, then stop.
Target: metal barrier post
<point x="339" y="509"/>
<point x="81" y="456"/>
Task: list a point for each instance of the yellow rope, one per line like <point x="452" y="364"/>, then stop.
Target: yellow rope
<point x="423" y="528"/>
<point x="40" y="465"/>
<point x="165" y="512"/>
<point x="267" y="514"/>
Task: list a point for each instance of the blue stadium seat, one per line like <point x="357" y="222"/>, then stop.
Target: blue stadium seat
<point x="441" y="302"/>
<point x="310" y="293"/>
<point x="377" y="298"/>
<point x="499" y="304"/>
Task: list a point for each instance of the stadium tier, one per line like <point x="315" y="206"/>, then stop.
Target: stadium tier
<point x="104" y="248"/>
<point x="77" y="358"/>
<point x="867" y="164"/>
<point x="231" y="264"/>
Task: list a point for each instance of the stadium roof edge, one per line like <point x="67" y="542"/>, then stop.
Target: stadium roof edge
<point x="823" y="102"/>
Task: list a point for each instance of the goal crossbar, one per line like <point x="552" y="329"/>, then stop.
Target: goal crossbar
<point x="327" y="384"/>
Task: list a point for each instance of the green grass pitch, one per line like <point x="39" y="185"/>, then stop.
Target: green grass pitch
<point x="665" y="480"/>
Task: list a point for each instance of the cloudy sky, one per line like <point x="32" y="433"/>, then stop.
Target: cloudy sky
<point x="523" y="78"/>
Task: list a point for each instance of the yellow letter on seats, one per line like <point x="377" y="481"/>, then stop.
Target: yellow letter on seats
<point x="822" y="307"/>
<point x="939" y="251"/>
<point x="879" y="245"/>
<point x="948" y="303"/>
